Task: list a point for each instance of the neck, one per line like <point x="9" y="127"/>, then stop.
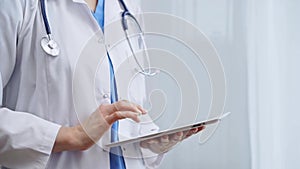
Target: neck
<point x="92" y="4"/>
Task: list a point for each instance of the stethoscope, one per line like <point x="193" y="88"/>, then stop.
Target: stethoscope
<point x="51" y="47"/>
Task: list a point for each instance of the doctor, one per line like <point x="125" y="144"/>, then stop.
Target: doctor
<point x="38" y="126"/>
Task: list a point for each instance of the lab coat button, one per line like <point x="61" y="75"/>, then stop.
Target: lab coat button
<point x="100" y="40"/>
<point x="105" y="96"/>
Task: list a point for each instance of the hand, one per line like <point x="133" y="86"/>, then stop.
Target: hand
<point x="83" y="136"/>
<point x="167" y="142"/>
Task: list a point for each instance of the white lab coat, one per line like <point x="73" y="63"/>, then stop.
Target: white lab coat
<point x="36" y="89"/>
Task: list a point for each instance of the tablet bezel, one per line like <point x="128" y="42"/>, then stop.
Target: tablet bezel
<point x="164" y="132"/>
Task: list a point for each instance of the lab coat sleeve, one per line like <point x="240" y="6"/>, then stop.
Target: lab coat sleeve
<point x="26" y="141"/>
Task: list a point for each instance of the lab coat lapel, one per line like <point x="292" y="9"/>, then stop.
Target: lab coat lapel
<point x="112" y="10"/>
<point x="113" y="31"/>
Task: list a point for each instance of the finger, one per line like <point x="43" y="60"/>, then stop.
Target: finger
<point x="194" y="131"/>
<point x="185" y="133"/>
<point x="177" y="137"/>
<point x="126" y="106"/>
<point x="164" y="140"/>
<point x="152" y="141"/>
<point x="118" y="115"/>
<point x="157" y="147"/>
<point x="142" y="109"/>
<point x="106" y="108"/>
<point x="144" y="144"/>
<point x="137" y="108"/>
<point x="191" y="132"/>
<point x="127" y="114"/>
<point x="200" y="128"/>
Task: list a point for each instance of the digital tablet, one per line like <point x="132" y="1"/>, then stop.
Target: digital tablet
<point x="167" y="132"/>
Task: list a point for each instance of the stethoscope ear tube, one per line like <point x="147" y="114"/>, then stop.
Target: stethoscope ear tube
<point x="123" y="5"/>
<point x="124" y="21"/>
<point x="127" y="15"/>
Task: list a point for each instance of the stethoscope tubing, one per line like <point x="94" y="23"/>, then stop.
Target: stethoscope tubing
<point x="51" y="47"/>
<point x="45" y="17"/>
<point x="123" y="6"/>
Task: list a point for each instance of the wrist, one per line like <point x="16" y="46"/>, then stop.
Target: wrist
<point x="80" y="139"/>
<point x="63" y="139"/>
<point x="71" y="139"/>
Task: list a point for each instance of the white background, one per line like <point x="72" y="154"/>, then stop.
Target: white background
<point x="258" y="42"/>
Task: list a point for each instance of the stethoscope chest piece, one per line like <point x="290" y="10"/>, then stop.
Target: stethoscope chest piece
<point x="50" y="46"/>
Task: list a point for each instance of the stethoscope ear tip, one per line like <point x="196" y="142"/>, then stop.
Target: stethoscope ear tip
<point x="148" y="73"/>
<point x="156" y="72"/>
